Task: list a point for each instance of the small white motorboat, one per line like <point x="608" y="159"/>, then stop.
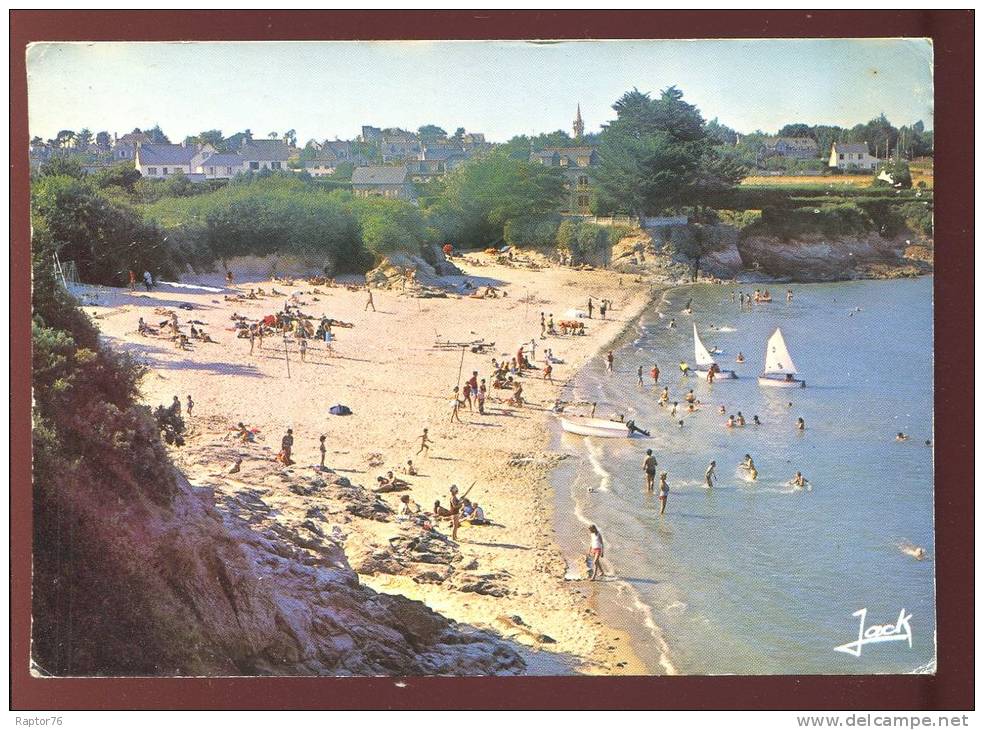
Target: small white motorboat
<point x="600" y="427"/>
<point x="780" y="370"/>
<point x="705" y="361"/>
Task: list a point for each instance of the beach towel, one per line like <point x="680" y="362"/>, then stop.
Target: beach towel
<point x="340" y="410"/>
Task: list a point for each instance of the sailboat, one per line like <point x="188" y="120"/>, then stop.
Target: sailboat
<point x="705" y="361"/>
<point x="595" y="427"/>
<point x="780" y="370"/>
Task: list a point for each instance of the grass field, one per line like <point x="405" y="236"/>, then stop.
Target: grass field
<point x="921" y="169"/>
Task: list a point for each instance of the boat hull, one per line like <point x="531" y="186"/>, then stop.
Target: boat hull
<point x="719" y="375"/>
<point x="595" y="427"/>
<point x="768" y="382"/>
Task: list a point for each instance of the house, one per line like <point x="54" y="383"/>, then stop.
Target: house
<point x="322" y="164"/>
<point x="577" y="164"/>
<point x="386" y="181"/>
<point x="797" y="148"/>
<point x="221" y="166"/>
<point x="264" y="154"/>
<point x="371" y="135"/>
<point x="851" y="157"/>
<point x="125" y="147"/>
<point x="398" y="145"/>
<point x="161" y="160"/>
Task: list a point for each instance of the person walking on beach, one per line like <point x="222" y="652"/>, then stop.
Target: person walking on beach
<point x="603" y="308"/>
<point x="482" y="393"/>
<point x="286" y="447"/>
<point x="369" y="302"/>
<point x="610" y="362"/>
<point x="543" y="325"/>
<point x="322" y="449"/>
<point x="148" y="280"/>
<point x="455" y="404"/>
<point x="664" y="492"/>
<point x="466" y="393"/>
<point x="590" y="308"/>
<point x="548" y="372"/>
<point x="596" y="553"/>
<point x="655" y="373"/>
<point x="709" y="476"/>
<point x="303" y="348"/>
<point x="649" y="469"/>
<point x="190" y="406"/>
<point x="425" y="443"/>
<point x="252" y="338"/>
<point x="641" y="384"/>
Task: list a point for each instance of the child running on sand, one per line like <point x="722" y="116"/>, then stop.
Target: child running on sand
<point x="425" y="442"/>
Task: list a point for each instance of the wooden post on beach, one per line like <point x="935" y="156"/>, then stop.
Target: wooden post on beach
<point x="461" y="364"/>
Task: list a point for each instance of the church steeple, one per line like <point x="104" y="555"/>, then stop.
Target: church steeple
<point x="578" y="124"/>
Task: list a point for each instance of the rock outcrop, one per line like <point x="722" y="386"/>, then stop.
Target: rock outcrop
<point x="247" y="574"/>
<point x="401" y="269"/>
<point x="818" y="258"/>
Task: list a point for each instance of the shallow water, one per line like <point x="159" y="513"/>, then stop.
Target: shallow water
<point x="756" y="577"/>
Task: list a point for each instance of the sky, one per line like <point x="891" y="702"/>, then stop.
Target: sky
<point x="326" y="90"/>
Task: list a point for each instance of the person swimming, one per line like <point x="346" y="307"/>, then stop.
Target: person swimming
<point x="756" y="421"/>
<point x="740" y="358"/>
<point x="799" y="481"/>
<point x="800" y="424"/>
<point x="901" y="436"/>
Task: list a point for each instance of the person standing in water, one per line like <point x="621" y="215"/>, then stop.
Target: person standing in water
<point x="800" y="424"/>
<point x="799" y="481"/>
<point x="709" y="476"/>
<point x="649" y="469"/>
<point x="596" y="553"/>
<point x="655" y="373"/>
<point x="749" y="466"/>
<point x="664" y="492"/>
<point x="641" y="384"/>
<point x="610" y="362"/>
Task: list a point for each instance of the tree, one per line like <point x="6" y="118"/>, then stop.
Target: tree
<point x="104" y="239"/>
<point x="122" y="175"/>
<point x="213" y="137"/>
<point x="797" y="130"/>
<point x="83" y="139"/>
<point x="66" y="166"/>
<point x="656" y="155"/>
<point x="432" y="133"/>
<point x="103" y="140"/>
<point x="273" y="135"/>
<point x="720" y="133"/>
<point x="156" y="135"/>
<point x="290" y="138"/>
<point x="476" y="201"/>
<point x="65" y="138"/>
<point x="36" y="143"/>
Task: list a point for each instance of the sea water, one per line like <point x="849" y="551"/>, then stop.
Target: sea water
<point x="759" y="577"/>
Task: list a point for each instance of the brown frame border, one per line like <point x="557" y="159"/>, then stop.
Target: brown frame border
<point x="951" y="688"/>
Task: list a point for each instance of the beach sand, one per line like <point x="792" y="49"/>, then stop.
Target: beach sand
<point x="387" y="371"/>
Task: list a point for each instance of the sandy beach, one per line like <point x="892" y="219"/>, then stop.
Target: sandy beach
<point x="387" y="370"/>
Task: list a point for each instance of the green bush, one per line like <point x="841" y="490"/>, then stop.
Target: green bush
<point x="532" y="232"/>
<point x="584" y="242"/>
<point x="844" y="219"/>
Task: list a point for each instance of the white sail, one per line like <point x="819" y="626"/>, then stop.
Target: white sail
<point x="777" y="358"/>
<point x="701" y="355"/>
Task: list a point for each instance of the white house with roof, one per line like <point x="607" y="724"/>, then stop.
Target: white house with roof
<point x="845" y="156"/>
<point x="221" y="166"/>
<point x="264" y="154"/>
<point x="158" y="161"/>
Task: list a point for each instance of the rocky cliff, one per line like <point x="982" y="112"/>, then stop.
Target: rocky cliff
<point x="210" y="583"/>
<point x="671" y="253"/>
